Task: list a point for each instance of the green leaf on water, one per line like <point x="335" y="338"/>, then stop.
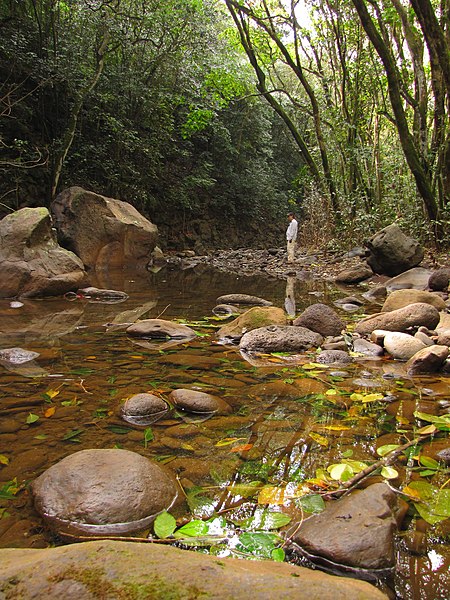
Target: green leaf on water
<point x="278" y="555"/>
<point x="119" y="429"/>
<point x="259" y="544"/>
<point x="164" y="525"/>
<point x="32" y="418"/>
<point x="148" y="436"/>
<point x="383" y="450"/>
<point x="72" y="436"/>
<point x="435" y="502"/>
<point x="428" y="462"/>
<point x="340" y="472"/>
<point x="312" y="503"/>
<point x="192" y="529"/>
<point x="389" y="473"/>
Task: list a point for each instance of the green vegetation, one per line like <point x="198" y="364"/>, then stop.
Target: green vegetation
<point x="215" y="117"/>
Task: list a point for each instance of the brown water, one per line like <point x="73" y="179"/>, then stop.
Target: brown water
<point x="288" y="420"/>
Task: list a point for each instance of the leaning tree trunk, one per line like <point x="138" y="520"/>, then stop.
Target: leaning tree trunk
<point x="74" y="114"/>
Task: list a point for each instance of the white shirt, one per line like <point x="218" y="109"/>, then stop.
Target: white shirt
<point x="291" y="231"/>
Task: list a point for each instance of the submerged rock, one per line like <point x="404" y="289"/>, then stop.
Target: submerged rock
<point x="17" y="356"/>
<point x="242" y="299"/>
<point x="252" y="319"/>
<point x="160" y="329"/>
<point x="101" y="294"/>
<point x="103" y="492"/>
<point x="143" y="409"/>
<point x="198" y="402"/>
<point x="357" y="530"/>
<point x="225" y="310"/>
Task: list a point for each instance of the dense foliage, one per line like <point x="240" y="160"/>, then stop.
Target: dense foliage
<point x="213" y="117"/>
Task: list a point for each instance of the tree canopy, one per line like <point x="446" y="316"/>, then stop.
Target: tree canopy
<point x="233" y="111"/>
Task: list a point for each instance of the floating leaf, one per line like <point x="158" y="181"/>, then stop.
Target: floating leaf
<point x="260" y="544"/>
<point x="430" y="463"/>
<point x="242" y="448"/>
<point x="312" y="365"/>
<point x="383" y="450"/>
<point x="4" y="460"/>
<point x="50" y="412"/>
<point x="32" y="418"/>
<point x="312" y="503"/>
<point x="118" y="429"/>
<point x="320" y="439"/>
<point x="41" y="436"/>
<point x="192" y="529"/>
<point x="331" y="392"/>
<point x="389" y="473"/>
<point x="335" y="427"/>
<point x="442" y="422"/>
<point x="373" y="397"/>
<point x="245" y="490"/>
<point x="278" y="555"/>
<point x="272" y="495"/>
<point x="164" y="525"/>
<point x="148" y="436"/>
<point x="72" y="436"/>
<point x="435" y="505"/>
<point x="340" y="472"/>
<point x="427" y="429"/>
<point x="49" y="395"/>
<point x="9" y="489"/>
<point x="227" y="441"/>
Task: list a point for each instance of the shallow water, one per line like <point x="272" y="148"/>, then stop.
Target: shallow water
<point x="288" y="420"/>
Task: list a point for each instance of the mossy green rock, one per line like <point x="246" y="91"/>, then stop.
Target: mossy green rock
<point x="129" y="571"/>
<point x="252" y="319"/>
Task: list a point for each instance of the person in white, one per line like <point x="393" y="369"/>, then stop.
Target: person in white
<point x="291" y="237"/>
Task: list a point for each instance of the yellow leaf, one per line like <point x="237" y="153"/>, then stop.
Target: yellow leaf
<point x="51" y="393"/>
<point x="186" y="446"/>
<point x="402" y="420"/>
<point x="320" y="439"/>
<point x="272" y="495"/>
<point x="312" y="365"/>
<point x="373" y="397"/>
<point x="331" y="392"/>
<point x="356" y="397"/>
<point x="136" y="356"/>
<point x="335" y="427"/>
<point x="227" y="441"/>
<point x="427" y="429"/>
<point x="4" y="460"/>
<point x="411" y="492"/>
<point x="91" y="358"/>
<point x="50" y="411"/>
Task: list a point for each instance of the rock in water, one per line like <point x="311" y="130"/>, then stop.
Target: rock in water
<point x="280" y="339"/>
<point x="160" y="329"/>
<point x="242" y="299"/>
<point x="321" y="319"/>
<point x="357" y="530"/>
<point x="198" y="402"/>
<point x="143" y="409"/>
<point x="32" y="264"/>
<point x="252" y="319"/>
<point x="413" y="315"/>
<point x="103" y="492"/>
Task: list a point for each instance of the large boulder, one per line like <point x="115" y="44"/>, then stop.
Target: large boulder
<point x="413" y="315"/>
<point x="321" y="319"/>
<point x="391" y="251"/>
<point x="357" y="530"/>
<point x="102" y="231"/>
<point x="103" y="492"/>
<point x="428" y="360"/>
<point x="32" y="264"/>
<point x="126" y="570"/>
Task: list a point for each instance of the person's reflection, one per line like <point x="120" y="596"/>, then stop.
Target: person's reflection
<point x="289" y="302"/>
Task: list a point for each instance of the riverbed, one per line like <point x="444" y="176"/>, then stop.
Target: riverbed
<point x="290" y="417"/>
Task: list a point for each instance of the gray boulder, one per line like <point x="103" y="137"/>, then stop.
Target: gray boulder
<point x="103" y="492"/>
<point x="391" y="251"/>
<point x="280" y="339"/>
<point x="32" y="264"/>
<point x="321" y="319"/>
<point x="401" y="319"/>
<point x="102" y="231"/>
<point x="143" y="409"/>
<point x="357" y="530"/>
<point x="354" y="274"/>
<point x="414" y="279"/>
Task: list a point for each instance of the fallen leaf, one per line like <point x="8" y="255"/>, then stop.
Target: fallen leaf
<point x="50" y="411"/>
<point x="242" y="448"/>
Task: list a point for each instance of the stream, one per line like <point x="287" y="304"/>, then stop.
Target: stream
<point x="289" y="417"/>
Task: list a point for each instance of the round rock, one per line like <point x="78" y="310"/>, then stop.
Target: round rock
<point x="243" y="299"/>
<point x="276" y="338"/>
<point x="160" y="329"/>
<point x="401" y="345"/>
<point x="198" y="402"/>
<point x="103" y="492"/>
<point x="321" y="319"/>
<point x="334" y="357"/>
<point x="143" y="409"/>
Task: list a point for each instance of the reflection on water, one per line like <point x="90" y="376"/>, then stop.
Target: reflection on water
<point x="288" y="420"/>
